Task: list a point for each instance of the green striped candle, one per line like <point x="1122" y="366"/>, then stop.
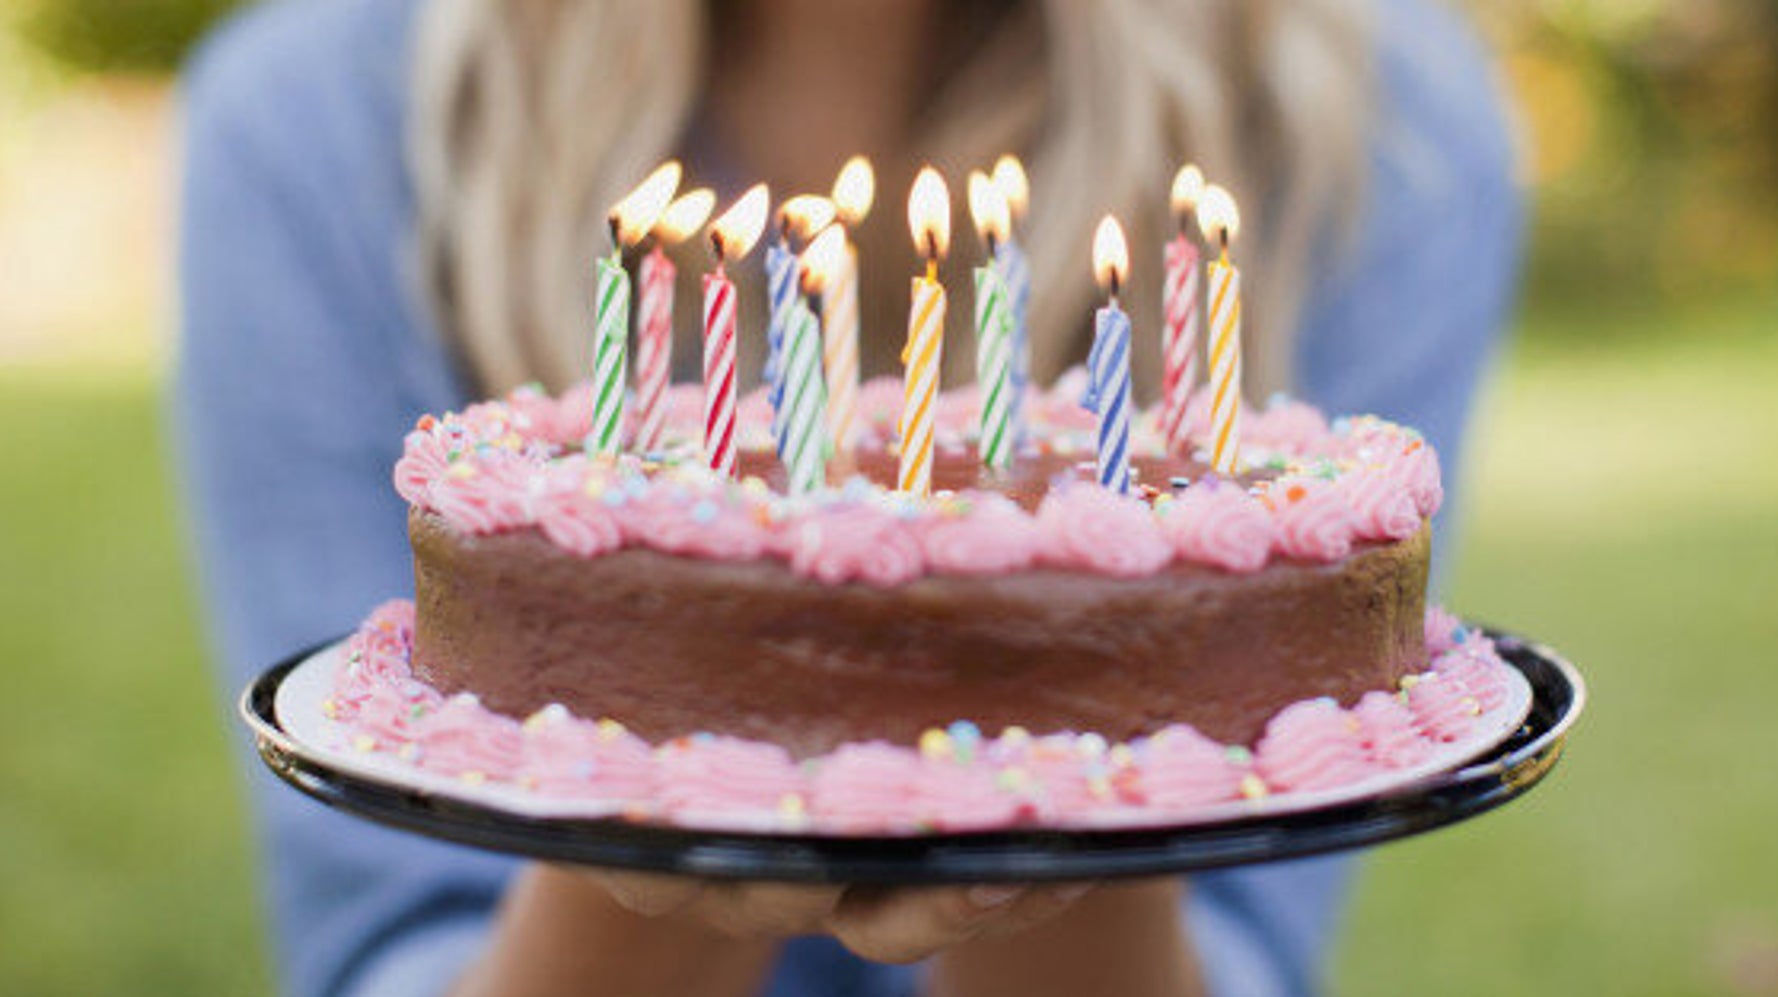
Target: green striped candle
<point x="805" y="404"/>
<point x="994" y="366"/>
<point x="611" y="329"/>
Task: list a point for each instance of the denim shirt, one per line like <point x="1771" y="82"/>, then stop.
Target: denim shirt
<point x="306" y="357"/>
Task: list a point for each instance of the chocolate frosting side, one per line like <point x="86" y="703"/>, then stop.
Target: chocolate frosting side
<point x="673" y="645"/>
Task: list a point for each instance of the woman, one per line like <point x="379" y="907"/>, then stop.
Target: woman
<point x="389" y="208"/>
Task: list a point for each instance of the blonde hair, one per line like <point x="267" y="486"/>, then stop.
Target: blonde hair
<point x="518" y="147"/>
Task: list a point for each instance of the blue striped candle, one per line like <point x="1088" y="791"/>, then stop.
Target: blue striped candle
<point x="1108" y="395"/>
<point x="781" y="293"/>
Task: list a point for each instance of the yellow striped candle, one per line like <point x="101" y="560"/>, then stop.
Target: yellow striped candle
<point x="1220" y="220"/>
<point x="929" y="218"/>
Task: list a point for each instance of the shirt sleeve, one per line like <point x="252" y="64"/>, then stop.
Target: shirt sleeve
<point x="1402" y="323"/>
<point x="296" y="380"/>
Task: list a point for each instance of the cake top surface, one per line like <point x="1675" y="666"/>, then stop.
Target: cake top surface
<point x="1309" y="490"/>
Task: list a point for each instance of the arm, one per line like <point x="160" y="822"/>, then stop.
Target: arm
<point x="298" y="373"/>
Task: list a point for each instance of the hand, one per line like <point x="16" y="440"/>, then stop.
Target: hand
<point x="885" y="924"/>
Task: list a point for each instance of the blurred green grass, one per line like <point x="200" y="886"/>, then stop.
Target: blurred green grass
<point x="1620" y="505"/>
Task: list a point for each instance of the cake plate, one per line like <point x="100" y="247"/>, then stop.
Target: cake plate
<point x="1028" y="854"/>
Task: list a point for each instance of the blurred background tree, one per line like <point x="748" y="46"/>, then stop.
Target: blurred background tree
<point x="119" y="36"/>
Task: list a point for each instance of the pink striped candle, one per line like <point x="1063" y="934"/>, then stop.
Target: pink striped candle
<point x="654" y="347"/>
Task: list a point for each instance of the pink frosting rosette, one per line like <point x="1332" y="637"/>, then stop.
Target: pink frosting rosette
<point x="1217" y="523"/>
<point x="1474" y="665"/>
<point x="1312" y="745"/>
<point x="1288" y="425"/>
<point x="1084" y="526"/>
<point x="424" y="459"/>
<point x="487" y="494"/>
<point x="854" y="542"/>
<point x="1313" y="521"/>
<point x="879" y="407"/>
<point x="1181" y="769"/>
<point x="1418" y="467"/>
<point x="566" y="756"/>
<point x="362" y="673"/>
<point x="991" y="536"/>
<point x="1443" y="630"/>
<point x="696" y="522"/>
<point x="571" y="518"/>
<point x="1387" y="728"/>
<point x="865" y="787"/>
<point x="723" y="776"/>
<point x="1444" y="709"/>
<point x="962" y="797"/>
<point x="464" y="739"/>
<point x="391" y="716"/>
<point x="1382" y="507"/>
<point x="559" y="422"/>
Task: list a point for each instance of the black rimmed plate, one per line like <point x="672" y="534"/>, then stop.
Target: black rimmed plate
<point x="1504" y="773"/>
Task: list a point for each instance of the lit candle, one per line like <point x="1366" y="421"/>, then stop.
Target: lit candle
<point x="929" y="218"/>
<point x="631" y="219"/>
<point x="798" y="218"/>
<point x="993" y="327"/>
<point x="731" y="236"/>
<point x="1220" y="221"/>
<point x="1108" y="366"/>
<point x="1181" y="311"/>
<point x="853" y="192"/>
<point x="654" y="315"/>
<point x="1009" y="176"/>
<point x="805" y="411"/>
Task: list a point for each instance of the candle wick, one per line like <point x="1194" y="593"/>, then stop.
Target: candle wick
<point x="616" y="225"/>
<point x="993" y="245"/>
<point x="1223" y="234"/>
<point x="716" y="248"/>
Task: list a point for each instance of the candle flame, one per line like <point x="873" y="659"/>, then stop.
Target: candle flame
<point x="1188" y="189"/>
<point x="1111" y="255"/>
<point x="685" y="216"/>
<point x="635" y="215"/>
<point x="988" y="207"/>
<point x="822" y="259"/>
<point x="738" y="229"/>
<point x="804" y="215"/>
<point x="854" y="190"/>
<point x="1218" y="216"/>
<point x="1009" y="176"/>
<point x="929" y="214"/>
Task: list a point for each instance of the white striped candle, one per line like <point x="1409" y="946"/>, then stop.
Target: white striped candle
<point x="654" y="347"/>
<point x="839" y="329"/>
<point x="1180" y="310"/>
<point x="805" y="438"/>
<point x="781" y="295"/>
<point x="994" y="367"/>
<point x="1219" y="219"/>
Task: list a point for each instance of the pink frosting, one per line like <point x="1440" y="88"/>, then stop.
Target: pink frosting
<point x="1220" y="524"/>
<point x="1180" y="769"/>
<point x="879" y="406"/>
<point x="857" y="542"/>
<point x="880" y="787"/>
<point x="1084" y="526"/>
<point x="1381" y="508"/>
<point x="569" y="757"/>
<point x="1443" y="630"/>
<point x="694" y="523"/>
<point x="962" y="797"/>
<point x="486" y="495"/>
<point x="723" y="775"/>
<point x="462" y="738"/>
<point x="1288" y="425"/>
<point x="866" y="787"/>
<point x="391" y="716"/>
<point x="993" y="537"/>
<point x="1313" y="521"/>
<point x="1312" y="745"/>
<point x="574" y="520"/>
<point x="425" y="457"/>
<point x="1386" y="726"/>
<point x="1065" y="783"/>
<point x="1443" y="708"/>
<point x="1474" y="665"/>
<point x="1419" y="472"/>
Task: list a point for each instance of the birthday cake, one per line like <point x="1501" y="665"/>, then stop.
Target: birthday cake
<point x="1017" y="646"/>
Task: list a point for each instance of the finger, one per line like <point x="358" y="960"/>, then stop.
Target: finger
<point x="767" y="909"/>
<point x="1035" y="906"/>
<point x="907" y="925"/>
<point x="648" y="893"/>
